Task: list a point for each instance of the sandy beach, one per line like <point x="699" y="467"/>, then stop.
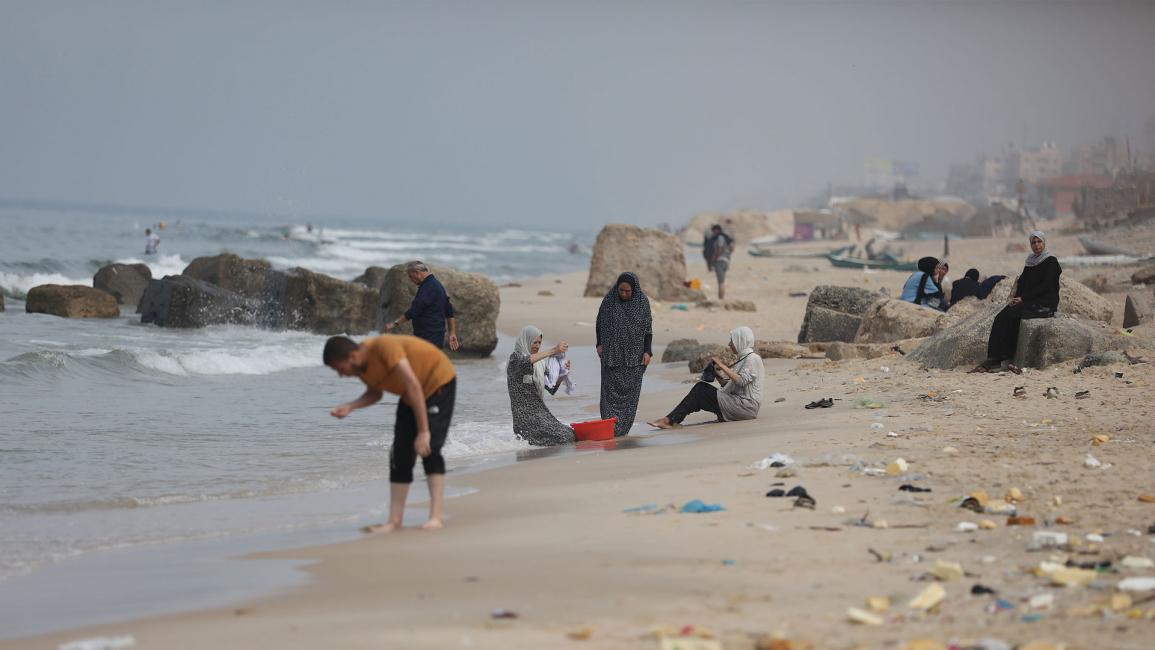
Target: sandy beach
<point x="554" y="543"/>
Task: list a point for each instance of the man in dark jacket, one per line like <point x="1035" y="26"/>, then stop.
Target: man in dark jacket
<point x="431" y="311"/>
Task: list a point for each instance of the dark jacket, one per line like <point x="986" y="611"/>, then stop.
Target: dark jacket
<point x="1039" y="284"/>
<point x="962" y="288"/>
<point x="428" y="311"/>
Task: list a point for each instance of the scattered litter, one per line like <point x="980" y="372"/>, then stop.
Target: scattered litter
<point x="1134" y="562"/>
<point x="679" y="306"/>
<point x="1137" y="584"/>
<point x="773" y="460"/>
<point x="1083" y="394"/>
<point x="646" y="509"/>
<point x="930" y="597"/>
<point x="1147" y="498"/>
<point x="838" y="510"/>
<point x="947" y="571"/>
<point x="891" y="434"/>
<point x="1044" y="538"/>
<point x="1020" y="521"/>
<point x="1000" y="605"/>
<point x="896" y="467"/>
<point x="1019" y="391"/>
<point x="823" y="403"/>
<point x="1063" y="521"/>
<point x="884" y="368"/>
<point x="982" y="590"/>
<point x="863" y="617"/>
<point x="1094" y="538"/>
<point x="1091" y="462"/>
<point x="966" y="527"/>
<point x="987" y="524"/>
<point x="868" y="403"/>
<point x="875" y="425"/>
<point x="1056" y="501"/>
<point x="1100" y="439"/>
<point x="696" y="506"/>
<point x="949" y="450"/>
<point x="502" y="613"/>
<point x="805" y="501"/>
<point x="583" y="634"/>
<point x="1069" y="577"/>
<point x="1052" y="393"/>
<point x="1042" y="601"/>
<point x="907" y="487"/>
<point x="100" y="643"/>
<point x="776" y="492"/>
<point x="785" y="472"/>
<point x="689" y="643"/>
<point x="878" y="603"/>
<point x="779" y="400"/>
<point x="728" y="562"/>
<point x="1014" y="495"/>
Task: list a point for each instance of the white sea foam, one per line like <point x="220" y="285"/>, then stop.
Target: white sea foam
<point x="258" y="360"/>
<point x="18" y="284"/>
<point x="161" y="265"/>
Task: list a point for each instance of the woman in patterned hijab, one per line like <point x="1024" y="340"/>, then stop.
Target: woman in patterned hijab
<point x="624" y="334"/>
<point x="532" y="420"/>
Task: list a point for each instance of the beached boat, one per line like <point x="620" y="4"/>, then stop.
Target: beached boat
<point x="844" y="262"/>
<point x="1096" y="247"/>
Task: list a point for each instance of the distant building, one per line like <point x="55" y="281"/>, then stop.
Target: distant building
<point x="884" y="174"/>
<point x="965" y="180"/>
<point x="817" y="224"/>
<point x="1105" y="157"/>
<point x="1064" y="196"/>
<point x="1036" y="164"/>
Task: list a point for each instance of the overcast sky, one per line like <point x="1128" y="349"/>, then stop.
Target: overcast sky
<point x="554" y="114"/>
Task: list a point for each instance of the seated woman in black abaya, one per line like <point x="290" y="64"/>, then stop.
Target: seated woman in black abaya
<point x="1036" y="296"/>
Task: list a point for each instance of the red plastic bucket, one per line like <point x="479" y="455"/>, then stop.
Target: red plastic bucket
<point x="594" y="429"/>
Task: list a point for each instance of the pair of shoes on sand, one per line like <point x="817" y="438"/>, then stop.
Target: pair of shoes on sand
<point x="823" y="403"/>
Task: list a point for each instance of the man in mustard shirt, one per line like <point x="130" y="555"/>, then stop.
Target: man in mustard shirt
<point x="427" y="383"/>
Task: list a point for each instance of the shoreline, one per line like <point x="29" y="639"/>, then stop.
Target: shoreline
<point x="552" y="541"/>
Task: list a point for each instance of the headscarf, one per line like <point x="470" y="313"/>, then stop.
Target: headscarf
<point x="927" y="265"/>
<point x="1035" y="260"/>
<point x="524" y="347"/>
<point x="972" y="274"/>
<point x="623" y="324"/>
<point x="743" y="340"/>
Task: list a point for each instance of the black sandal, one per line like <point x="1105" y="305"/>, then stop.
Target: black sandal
<point x="823" y="403"/>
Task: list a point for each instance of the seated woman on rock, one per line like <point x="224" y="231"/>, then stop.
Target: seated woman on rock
<point x="525" y="378"/>
<point x="741" y="393"/>
<point x="1036" y="296"/>
<point x="922" y="287"/>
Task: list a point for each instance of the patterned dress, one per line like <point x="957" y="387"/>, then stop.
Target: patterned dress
<point x="624" y="331"/>
<point x="532" y="420"/>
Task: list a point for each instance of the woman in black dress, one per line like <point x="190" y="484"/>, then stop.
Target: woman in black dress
<point x="1036" y="296"/>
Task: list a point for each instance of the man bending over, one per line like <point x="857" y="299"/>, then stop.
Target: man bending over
<point x="427" y="383"/>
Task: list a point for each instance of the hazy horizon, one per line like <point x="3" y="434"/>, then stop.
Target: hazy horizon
<point x="542" y="114"/>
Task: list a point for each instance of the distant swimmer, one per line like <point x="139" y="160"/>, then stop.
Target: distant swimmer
<point x="426" y="381"/>
<point x="151" y="242"/>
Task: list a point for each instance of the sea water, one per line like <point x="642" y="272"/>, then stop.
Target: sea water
<point x="118" y="435"/>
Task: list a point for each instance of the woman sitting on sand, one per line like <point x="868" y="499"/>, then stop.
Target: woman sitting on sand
<point x="741" y="395"/>
<point x="525" y="378"/>
<point x="922" y="287"/>
<point x="1036" y="296"/>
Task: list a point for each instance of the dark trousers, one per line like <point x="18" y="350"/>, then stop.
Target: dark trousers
<point x="403" y="455"/>
<point x="1005" y="333"/>
<point x="702" y="397"/>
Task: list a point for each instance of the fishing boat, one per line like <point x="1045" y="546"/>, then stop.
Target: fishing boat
<point x="887" y="263"/>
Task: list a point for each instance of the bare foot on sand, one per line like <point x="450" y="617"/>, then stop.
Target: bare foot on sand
<point x="433" y="524"/>
<point x="662" y="423"/>
<point x="378" y="529"/>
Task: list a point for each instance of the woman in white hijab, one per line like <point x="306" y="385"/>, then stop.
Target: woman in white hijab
<point x="740" y="397"/>
<point x="1036" y="296"/>
<point x="525" y="378"/>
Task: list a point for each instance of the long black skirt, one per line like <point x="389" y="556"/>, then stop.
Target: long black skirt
<point x="621" y="390"/>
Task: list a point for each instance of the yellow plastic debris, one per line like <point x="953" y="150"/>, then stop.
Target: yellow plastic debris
<point x="987" y="524"/>
<point x="1068" y="577"/>
<point x="896" y="467"/>
<point x="1120" y="602"/>
<point x="882" y="603"/>
<point x="581" y="635"/>
<point x="863" y="617"/>
<point x="1014" y="495"/>
<point x="1100" y="439"/>
<point x="930" y="597"/>
<point x="947" y="571"/>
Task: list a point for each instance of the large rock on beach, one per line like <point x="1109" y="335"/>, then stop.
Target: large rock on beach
<point x="1075" y="298"/>
<point x="1042" y="341"/>
<point x="476" y="303"/>
<point x="1137" y="310"/>
<point x="1144" y="275"/>
<point x="232" y="273"/>
<point x="126" y="282"/>
<point x="71" y="301"/>
<point x="183" y="302"/>
<point x="654" y="256"/>
<point x="373" y="277"/>
<point x="835" y="313"/>
<point x="300" y="299"/>
<point x="682" y="350"/>
<point x="891" y="320"/>
<point x="1" y="302"/>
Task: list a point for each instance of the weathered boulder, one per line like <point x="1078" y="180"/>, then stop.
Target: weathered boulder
<point x="840" y="351"/>
<point x="71" y="301"/>
<point x="232" y="273"/>
<point x="126" y="282"/>
<point x="1075" y="298"/>
<point x="476" y="302"/>
<point x="1042" y="341"/>
<point x="1097" y="283"/>
<point x="1144" y="275"/>
<point x="300" y="299"/>
<point x="184" y="302"/>
<point x="373" y="277"/>
<point x="1137" y="310"/>
<point x="893" y="320"/>
<point x="684" y="350"/>
<point x="1" y="302"/>
<point x="835" y="313"/>
<point x="654" y="256"/>
<point x="764" y="349"/>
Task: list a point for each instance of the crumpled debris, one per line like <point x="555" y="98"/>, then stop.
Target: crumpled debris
<point x="773" y="460"/>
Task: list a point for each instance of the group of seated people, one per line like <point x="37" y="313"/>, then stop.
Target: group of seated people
<point x="927" y="285"/>
<point x="1036" y="295"/>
